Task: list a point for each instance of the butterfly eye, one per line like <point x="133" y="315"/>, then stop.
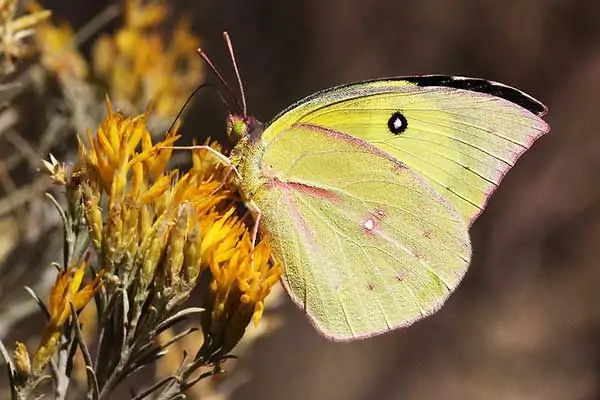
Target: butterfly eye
<point x="397" y="123"/>
<point x="236" y="127"/>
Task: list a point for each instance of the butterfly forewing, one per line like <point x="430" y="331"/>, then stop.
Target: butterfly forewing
<point x="461" y="142"/>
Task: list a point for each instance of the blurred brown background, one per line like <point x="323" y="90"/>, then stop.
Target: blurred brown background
<point x="525" y="323"/>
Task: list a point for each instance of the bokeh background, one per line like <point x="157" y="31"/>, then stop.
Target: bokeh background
<point x="525" y="322"/>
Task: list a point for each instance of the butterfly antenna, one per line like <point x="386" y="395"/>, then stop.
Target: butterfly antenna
<point x="221" y="79"/>
<point x="237" y="72"/>
<point x="187" y="101"/>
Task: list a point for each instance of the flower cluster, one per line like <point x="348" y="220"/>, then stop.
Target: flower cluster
<point x="154" y="232"/>
<point x="142" y="241"/>
<point x="58" y="52"/>
<point x="135" y="65"/>
<point x="139" y="66"/>
<point x="164" y="228"/>
<point x="14" y="31"/>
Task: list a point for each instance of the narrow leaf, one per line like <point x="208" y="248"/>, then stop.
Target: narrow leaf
<point x="178" y="316"/>
<point x="39" y="302"/>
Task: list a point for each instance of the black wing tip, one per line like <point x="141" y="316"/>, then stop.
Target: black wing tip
<point x="480" y="85"/>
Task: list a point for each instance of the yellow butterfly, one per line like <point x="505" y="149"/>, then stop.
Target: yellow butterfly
<point x="367" y="191"/>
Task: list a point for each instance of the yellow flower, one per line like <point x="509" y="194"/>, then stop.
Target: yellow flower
<point x="58" y="52"/>
<point x="122" y="164"/>
<point x="139" y="66"/>
<point x="256" y="281"/>
<point x="14" y="31"/>
<point x="113" y="157"/>
<point x="139" y="16"/>
<point x="67" y="290"/>
<point x="156" y="219"/>
<point x="239" y="285"/>
<point x="178" y="73"/>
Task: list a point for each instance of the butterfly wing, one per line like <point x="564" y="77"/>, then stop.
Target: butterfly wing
<point x="461" y="135"/>
<point x="367" y="192"/>
<point x="366" y="245"/>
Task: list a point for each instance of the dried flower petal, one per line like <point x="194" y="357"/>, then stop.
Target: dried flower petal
<point x="21" y="359"/>
<point x="56" y="171"/>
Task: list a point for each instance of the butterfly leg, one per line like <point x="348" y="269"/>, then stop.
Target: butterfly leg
<point x="257" y="213"/>
<point x="223" y="159"/>
<point x="252" y="207"/>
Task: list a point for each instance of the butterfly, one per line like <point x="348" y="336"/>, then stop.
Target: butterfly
<point x="367" y="191"/>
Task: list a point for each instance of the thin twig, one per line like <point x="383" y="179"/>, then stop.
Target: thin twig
<point x="53" y="370"/>
<point x="96" y="24"/>
<point x="62" y="378"/>
<point x="22" y="195"/>
<point x="23" y="147"/>
<point x="154" y="387"/>
<point x="11" y="368"/>
<point x="67" y="231"/>
<point x="92" y="382"/>
<point x="8" y="119"/>
<point x="56" y="130"/>
<point x="188" y="384"/>
<point x="151" y="354"/>
<point x="127" y="332"/>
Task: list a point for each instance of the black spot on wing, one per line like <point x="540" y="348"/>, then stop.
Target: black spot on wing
<point x="482" y="86"/>
<point x="397" y="123"/>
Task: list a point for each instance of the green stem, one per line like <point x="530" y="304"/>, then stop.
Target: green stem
<point x="128" y="347"/>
